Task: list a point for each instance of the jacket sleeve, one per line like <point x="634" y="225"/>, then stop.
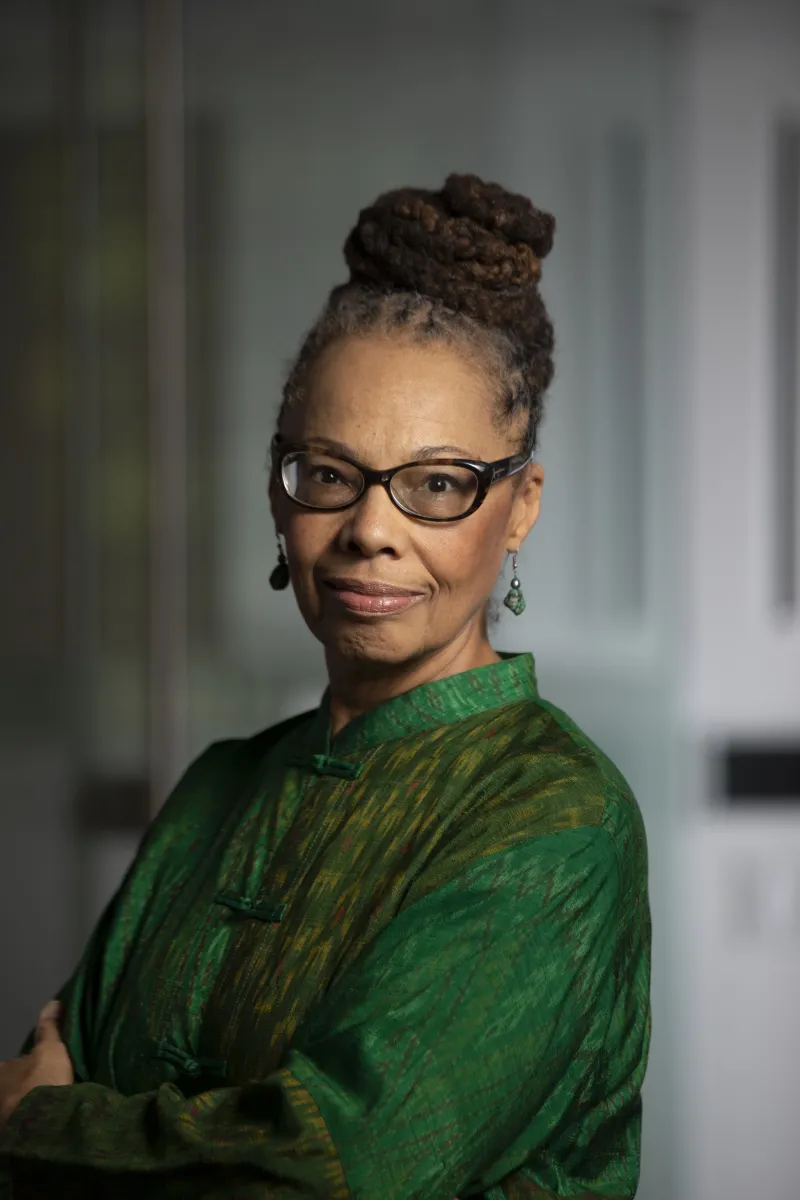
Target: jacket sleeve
<point x="496" y="1030"/>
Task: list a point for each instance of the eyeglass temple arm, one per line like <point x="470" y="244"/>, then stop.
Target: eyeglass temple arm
<point x="510" y="466"/>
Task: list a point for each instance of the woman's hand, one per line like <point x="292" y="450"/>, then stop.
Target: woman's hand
<point x="48" y="1063"/>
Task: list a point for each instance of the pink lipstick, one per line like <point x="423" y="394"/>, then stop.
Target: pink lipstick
<point x="371" y="598"/>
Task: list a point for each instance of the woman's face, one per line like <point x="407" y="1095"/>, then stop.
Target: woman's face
<point x="384" y="401"/>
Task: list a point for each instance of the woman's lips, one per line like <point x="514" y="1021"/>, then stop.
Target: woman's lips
<point x="371" y="598"/>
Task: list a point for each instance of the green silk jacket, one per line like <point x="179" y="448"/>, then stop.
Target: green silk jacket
<point x="409" y="962"/>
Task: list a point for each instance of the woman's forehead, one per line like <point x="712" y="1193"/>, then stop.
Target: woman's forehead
<point x="390" y="397"/>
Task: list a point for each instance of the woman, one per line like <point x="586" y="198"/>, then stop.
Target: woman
<point x="397" y="947"/>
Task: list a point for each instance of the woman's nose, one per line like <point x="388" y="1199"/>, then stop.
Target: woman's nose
<point x="374" y="524"/>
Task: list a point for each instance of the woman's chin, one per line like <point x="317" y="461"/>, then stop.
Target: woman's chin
<point x="368" y="643"/>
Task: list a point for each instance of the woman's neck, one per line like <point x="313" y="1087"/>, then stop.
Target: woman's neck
<point x="355" y="688"/>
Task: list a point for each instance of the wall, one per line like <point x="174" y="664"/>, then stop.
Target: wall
<point x="738" y="928"/>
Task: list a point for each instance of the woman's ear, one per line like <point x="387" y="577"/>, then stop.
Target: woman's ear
<point x="272" y="492"/>
<point x="525" y="510"/>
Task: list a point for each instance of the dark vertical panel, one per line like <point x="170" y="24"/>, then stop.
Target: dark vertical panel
<point x="626" y="325"/>
<point x="787" y="314"/>
<point x="73" y="46"/>
<point x="166" y="361"/>
<point x="121" y="523"/>
<point x="32" y="420"/>
<point x="205" y="171"/>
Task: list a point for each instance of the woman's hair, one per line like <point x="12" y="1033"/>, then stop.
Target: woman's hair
<point x="461" y="266"/>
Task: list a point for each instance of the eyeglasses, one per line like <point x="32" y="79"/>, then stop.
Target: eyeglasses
<point x="441" y="489"/>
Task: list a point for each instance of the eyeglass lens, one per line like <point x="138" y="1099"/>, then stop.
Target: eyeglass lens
<point x="426" y="489"/>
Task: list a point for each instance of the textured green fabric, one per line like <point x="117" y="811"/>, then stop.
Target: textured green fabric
<point x="412" y="961"/>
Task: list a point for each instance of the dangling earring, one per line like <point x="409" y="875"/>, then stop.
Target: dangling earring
<point x="515" y="599"/>
<point x="279" y="579"/>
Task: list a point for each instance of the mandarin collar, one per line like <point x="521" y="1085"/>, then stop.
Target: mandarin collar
<point x="442" y="702"/>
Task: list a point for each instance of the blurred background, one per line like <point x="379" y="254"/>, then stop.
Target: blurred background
<point x="176" y="182"/>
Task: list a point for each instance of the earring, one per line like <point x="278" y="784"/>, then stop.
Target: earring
<point x="515" y="599"/>
<point x="279" y="579"/>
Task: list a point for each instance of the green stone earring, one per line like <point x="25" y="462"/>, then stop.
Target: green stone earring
<point x="279" y="579"/>
<point x="515" y="599"/>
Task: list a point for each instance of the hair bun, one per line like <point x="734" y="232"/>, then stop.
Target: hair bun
<point x="473" y="245"/>
<point x="513" y="217"/>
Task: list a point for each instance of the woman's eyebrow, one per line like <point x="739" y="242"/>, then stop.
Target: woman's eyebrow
<point x="423" y="452"/>
<point x="418" y="455"/>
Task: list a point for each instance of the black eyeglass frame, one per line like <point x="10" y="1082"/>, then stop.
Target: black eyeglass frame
<point x="487" y="474"/>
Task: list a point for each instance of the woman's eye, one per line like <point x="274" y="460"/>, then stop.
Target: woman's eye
<point x="325" y="475"/>
<point x="440" y="483"/>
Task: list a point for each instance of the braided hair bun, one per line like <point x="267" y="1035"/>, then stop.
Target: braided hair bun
<point x="462" y="264"/>
<point x="474" y="246"/>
